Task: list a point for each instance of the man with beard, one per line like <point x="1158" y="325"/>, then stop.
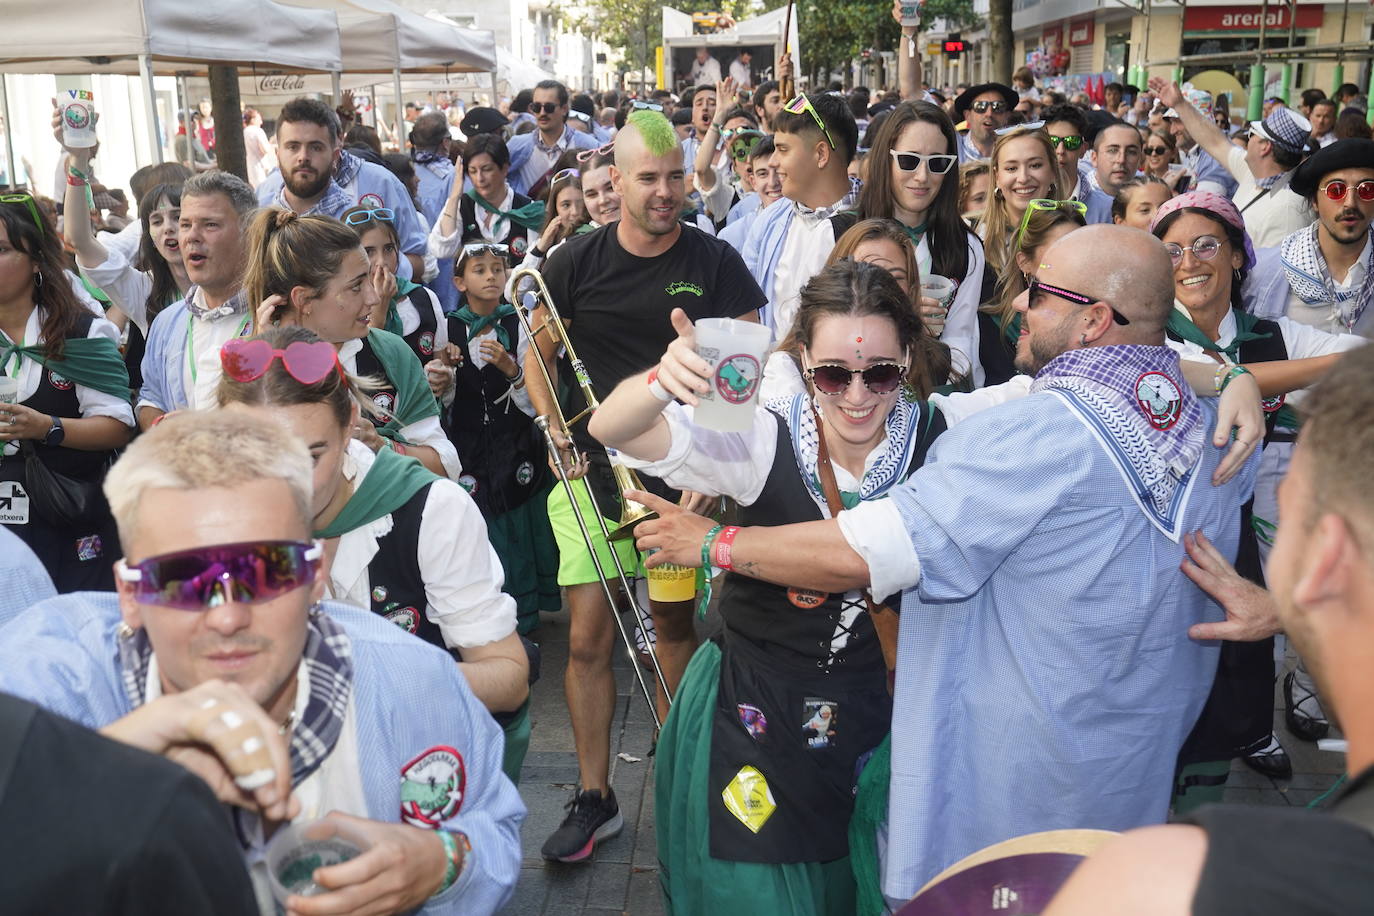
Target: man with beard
<point x="615" y="288"/>
<point x="1116" y="158"/>
<point x="318" y="176"/>
<point x="987" y="108"/>
<point x="1260" y="860"/>
<point x="1044" y="677"/>
<point x="534" y="156"/>
<point x="1208" y="173"/>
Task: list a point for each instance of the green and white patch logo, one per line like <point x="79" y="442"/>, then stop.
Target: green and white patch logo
<point x="432" y="787"/>
<point x="682" y="286"/>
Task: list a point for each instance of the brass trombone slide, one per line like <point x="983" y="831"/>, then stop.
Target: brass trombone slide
<point x="632" y="514"/>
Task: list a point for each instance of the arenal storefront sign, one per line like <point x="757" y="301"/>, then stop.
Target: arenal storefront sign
<point x="1247" y="18"/>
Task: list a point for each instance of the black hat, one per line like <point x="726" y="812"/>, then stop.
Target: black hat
<point x="1350" y="153"/>
<point x="965" y="99"/>
<point x="682" y="116"/>
<point x="482" y="121"/>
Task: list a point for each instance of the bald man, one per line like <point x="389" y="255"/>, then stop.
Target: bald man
<point x="1045" y="676"/>
<point x="615" y="288"/>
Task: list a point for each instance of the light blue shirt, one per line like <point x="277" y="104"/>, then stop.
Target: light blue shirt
<point x="23" y="580"/>
<point x="409" y="697"/>
<point x="1099" y="206"/>
<point x="526" y="171"/>
<point x="1045" y="678"/>
<point x="436" y="183"/>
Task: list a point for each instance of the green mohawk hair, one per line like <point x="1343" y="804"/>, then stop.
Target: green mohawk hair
<point x="658" y="134"/>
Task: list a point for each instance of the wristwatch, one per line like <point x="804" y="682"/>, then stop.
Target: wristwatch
<point x="56" y="434"/>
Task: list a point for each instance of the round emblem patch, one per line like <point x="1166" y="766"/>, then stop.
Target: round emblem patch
<point x="59" y="382"/>
<point x="78" y="117"/>
<point x="1270" y="405"/>
<point x="407" y="618"/>
<point x="806" y="598"/>
<point x="468" y="482"/>
<point x="519" y="245"/>
<point x="385" y="400"/>
<point x="1160" y="398"/>
<point x="737" y="377"/>
<point x="371" y="200"/>
<point x="432" y="787"/>
<point x="379" y="593"/>
<point x="524" y="473"/>
<point x="427" y="343"/>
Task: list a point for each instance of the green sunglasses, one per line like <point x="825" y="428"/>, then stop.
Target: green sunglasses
<point x="1043" y="205"/>
<point x="27" y="200"/>
<point x="802" y="104"/>
<point x="743" y="143"/>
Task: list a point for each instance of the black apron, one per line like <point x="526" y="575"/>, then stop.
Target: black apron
<point x="421" y="339"/>
<point x="517" y="237"/>
<point x="803" y="690"/>
<point x="385" y="397"/>
<point x="394" y="576"/>
<point x="1238" y="717"/>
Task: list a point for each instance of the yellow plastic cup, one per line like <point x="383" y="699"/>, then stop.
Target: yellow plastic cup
<point x="672" y="583"/>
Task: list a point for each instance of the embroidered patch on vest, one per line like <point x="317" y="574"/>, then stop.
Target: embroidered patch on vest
<point x="385" y="400"/>
<point x="806" y="598"/>
<point x="524" y="473"/>
<point x="519" y="245"/>
<point x="59" y="382"/>
<point x="432" y="787"/>
<point x="407" y="618"/>
<point x="1160" y="398"/>
<point x="1270" y="405"/>
<point x="468" y="482"/>
<point x="737" y="377"/>
<point x="379" y="593"/>
<point x="749" y="799"/>
<point x="426" y="343"/>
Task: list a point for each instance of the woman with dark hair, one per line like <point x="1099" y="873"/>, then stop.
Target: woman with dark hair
<point x="490" y="210"/>
<point x="404" y="307"/>
<point x="1137" y="200"/>
<point x="913" y="178"/>
<point x="65" y="407"/>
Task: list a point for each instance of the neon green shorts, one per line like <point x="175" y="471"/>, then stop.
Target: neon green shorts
<point x="575" y="565"/>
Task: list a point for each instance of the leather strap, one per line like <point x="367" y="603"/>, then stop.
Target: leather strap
<point x="885" y="620"/>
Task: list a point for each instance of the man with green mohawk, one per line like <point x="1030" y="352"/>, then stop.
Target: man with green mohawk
<point x="615" y="288"/>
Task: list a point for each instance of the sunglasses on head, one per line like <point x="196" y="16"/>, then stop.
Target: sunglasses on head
<point x="307" y="362"/>
<point x="1027" y="127"/>
<point x="1069" y="143"/>
<point x="588" y="154"/>
<point x="637" y="105"/>
<point x="995" y="107"/>
<point x="938" y="164"/>
<point x="880" y="378"/>
<point x="565" y="173"/>
<point x="1036" y="288"/>
<point x="543" y="107"/>
<point x="1042" y="205"/>
<point x="1334" y="190"/>
<point x="27" y="200"/>
<point x="380" y="214"/>
<point x="1204" y="248"/>
<point x="208" y="577"/>
<point x="802" y="104"/>
<point x="744" y="143"/>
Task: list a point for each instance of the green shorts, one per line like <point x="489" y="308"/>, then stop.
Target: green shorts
<point x="575" y="565"/>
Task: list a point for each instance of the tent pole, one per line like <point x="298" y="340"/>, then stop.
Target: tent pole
<point x="181" y="110"/>
<point x="145" y="69"/>
<point x="495" y="93"/>
<point x="336" y="79"/>
<point x="9" y="131"/>
<point x="400" y="110"/>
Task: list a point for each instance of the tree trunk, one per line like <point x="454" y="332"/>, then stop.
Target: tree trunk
<point x="224" y="101"/>
<point x="1000" y="41"/>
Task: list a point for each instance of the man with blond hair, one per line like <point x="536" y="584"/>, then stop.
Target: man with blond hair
<point x="217" y="653"/>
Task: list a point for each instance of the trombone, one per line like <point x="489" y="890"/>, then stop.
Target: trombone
<point x="632" y="512"/>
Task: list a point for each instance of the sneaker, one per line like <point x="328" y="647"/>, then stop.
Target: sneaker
<point x="590" y="820"/>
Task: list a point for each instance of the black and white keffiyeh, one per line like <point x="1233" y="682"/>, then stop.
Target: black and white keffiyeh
<point x="1310" y="279"/>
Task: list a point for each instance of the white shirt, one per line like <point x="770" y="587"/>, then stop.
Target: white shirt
<point x="410" y="318"/>
<point x="804" y="253"/>
<point x="204" y="339"/>
<point x="704" y="72"/>
<point x="1269" y="217"/>
<point x="462" y="574"/>
<point x="1322" y="315"/>
<point x="127" y="286"/>
<point x="741" y="73"/>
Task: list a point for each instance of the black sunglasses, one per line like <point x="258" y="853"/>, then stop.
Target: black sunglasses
<point x="880" y="378"/>
<point x="983" y="106"/>
<point x="1068" y="295"/>
<point x="543" y="107"/>
<point x="1156" y="150"/>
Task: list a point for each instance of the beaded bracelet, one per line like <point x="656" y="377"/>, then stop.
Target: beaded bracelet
<point x="456" y="847"/>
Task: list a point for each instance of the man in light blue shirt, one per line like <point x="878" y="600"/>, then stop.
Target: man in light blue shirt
<point x="533" y="155"/>
<point x="1116" y="159"/>
<point x="429" y="151"/>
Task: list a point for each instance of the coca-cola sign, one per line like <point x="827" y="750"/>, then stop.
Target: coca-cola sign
<point x="281" y="82"/>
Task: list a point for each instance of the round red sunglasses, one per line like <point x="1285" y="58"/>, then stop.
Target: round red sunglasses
<point x="307" y="362"/>
<point x="1337" y="190"/>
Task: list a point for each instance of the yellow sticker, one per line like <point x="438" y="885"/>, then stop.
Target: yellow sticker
<point x="748" y="798"/>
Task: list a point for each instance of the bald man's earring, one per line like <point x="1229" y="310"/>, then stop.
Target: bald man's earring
<point x="1083" y="340"/>
<point x="124" y="631"/>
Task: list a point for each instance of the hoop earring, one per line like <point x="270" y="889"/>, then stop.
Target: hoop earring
<point x="38" y="279"/>
<point x="1083" y="340"/>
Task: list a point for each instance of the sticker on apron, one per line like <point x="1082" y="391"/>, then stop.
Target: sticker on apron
<point x="753" y="720"/>
<point x="14" y="503"/>
<point x="818" y="722"/>
<point x="749" y="799"/>
<point x="89" y="548"/>
<point x="806" y="598"/>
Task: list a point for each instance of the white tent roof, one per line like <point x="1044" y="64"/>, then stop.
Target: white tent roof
<point x="378" y="36"/>
<point x="108" y="36"/>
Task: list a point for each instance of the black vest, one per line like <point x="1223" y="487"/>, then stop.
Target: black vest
<point x="384" y="397"/>
<point x="517" y="238"/>
<point x="398" y="586"/>
<point x="421" y="339"/>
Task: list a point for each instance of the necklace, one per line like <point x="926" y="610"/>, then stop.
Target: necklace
<point x="290" y="723"/>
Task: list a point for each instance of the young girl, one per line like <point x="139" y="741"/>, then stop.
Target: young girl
<point x="401" y="541"/>
<point x="311" y="271"/>
<point x="564" y="214"/>
<point x="973" y="190"/>
<point x="489" y="419"/>
<point x="489" y="211"/>
<point x="406" y="309"/>
<point x="1138" y="199"/>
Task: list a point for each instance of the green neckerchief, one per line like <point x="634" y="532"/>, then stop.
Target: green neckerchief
<point x="93" y="362"/>
<point x="1181" y="326"/>
<point x="414" y="400"/>
<point x="389" y="483"/>
<point x="478" y="323"/>
<point x="585" y="228"/>
<point x="96" y="292"/>
<point x="530" y="216"/>
<point x="914" y="232"/>
<point x="393" y="317"/>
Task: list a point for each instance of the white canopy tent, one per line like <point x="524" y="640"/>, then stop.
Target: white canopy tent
<point x="144" y="37"/>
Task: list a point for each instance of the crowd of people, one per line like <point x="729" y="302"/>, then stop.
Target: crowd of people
<point x="1062" y="426"/>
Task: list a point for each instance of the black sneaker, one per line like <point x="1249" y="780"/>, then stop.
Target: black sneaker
<point x="591" y="820"/>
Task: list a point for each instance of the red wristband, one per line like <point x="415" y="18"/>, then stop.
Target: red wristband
<point x="720" y="550"/>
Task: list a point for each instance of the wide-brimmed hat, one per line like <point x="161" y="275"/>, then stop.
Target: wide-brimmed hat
<point x="1350" y="153"/>
<point x="965" y="99"/>
<point x="1286" y="128"/>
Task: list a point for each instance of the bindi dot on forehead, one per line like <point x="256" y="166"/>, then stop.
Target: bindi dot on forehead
<point x="858" y="340"/>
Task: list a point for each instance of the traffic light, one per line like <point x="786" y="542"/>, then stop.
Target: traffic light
<point x="954" y="46"/>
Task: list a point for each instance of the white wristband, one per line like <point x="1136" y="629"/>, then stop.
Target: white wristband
<point x="656" y="387"/>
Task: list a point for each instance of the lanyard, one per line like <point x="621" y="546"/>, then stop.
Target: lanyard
<point x="191" y="341"/>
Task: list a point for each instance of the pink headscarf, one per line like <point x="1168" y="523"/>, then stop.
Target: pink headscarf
<point x="1217" y="206"/>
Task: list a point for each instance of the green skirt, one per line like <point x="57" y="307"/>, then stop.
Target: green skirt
<point x="693" y="882"/>
<point x="517" y="732"/>
<point x="870" y="814"/>
<point x="524" y="542"/>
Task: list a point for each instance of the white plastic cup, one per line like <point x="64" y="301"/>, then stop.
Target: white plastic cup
<point x="9" y="390"/>
<point x="735" y="350"/>
<point x="298" y="849"/>
<point x="78" y="118"/>
<point x="941" y="289"/>
<point x="910" y="13"/>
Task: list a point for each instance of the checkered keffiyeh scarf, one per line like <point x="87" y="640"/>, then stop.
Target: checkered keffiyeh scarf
<point x="849" y="202"/>
<point x="1104" y="379"/>
<point x="328" y="659"/>
<point x="1310" y="279"/>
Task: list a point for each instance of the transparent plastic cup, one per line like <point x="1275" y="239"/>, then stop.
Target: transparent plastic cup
<point x="736" y="351"/>
<point x="298" y="849"/>
<point x="78" y="118"/>
<point x="941" y="289"/>
<point x="9" y="390"/>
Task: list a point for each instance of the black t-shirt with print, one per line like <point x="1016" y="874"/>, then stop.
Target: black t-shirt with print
<point x="618" y="304"/>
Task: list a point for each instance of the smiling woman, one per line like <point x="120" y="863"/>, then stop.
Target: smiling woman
<point x="1023" y="169"/>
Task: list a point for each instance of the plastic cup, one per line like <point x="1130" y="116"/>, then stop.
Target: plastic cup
<point x="735" y="350"/>
<point x="9" y="390"/>
<point x="298" y="849"/>
<point x="78" y="118"/>
<point x="670" y="583"/>
<point x="939" y="288"/>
